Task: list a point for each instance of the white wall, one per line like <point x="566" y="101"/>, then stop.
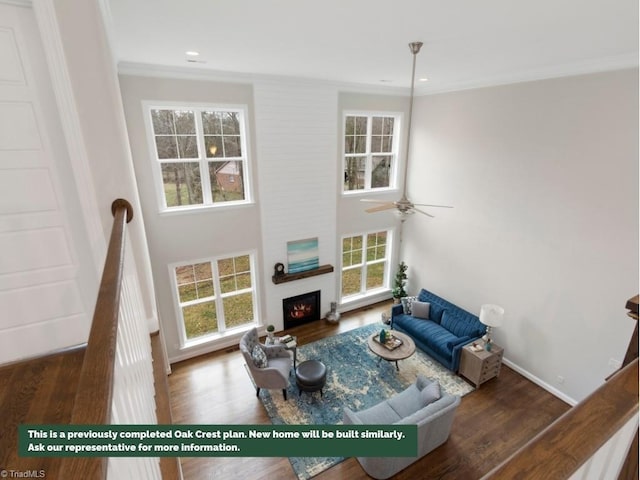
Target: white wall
<point x="87" y="88"/>
<point x="65" y="160"/>
<point x="543" y="177"/>
<point x="172" y="237"/>
<point x="296" y="138"/>
<point x="352" y="218"/>
<point x="295" y="153"/>
<point x="48" y="281"/>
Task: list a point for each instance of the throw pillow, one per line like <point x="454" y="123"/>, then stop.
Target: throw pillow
<point x="406" y="304"/>
<point x="430" y="393"/>
<point x="259" y="357"/>
<point x="406" y="402"/>
<point x="420" y="309"/>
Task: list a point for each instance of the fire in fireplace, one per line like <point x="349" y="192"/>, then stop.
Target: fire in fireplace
<point x="301" y="309"/>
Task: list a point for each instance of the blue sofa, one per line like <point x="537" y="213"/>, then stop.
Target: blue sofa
<point x="444" y="333"/>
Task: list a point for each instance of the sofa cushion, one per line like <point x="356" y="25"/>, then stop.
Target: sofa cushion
<point x="433" y="335"/>
<point x="420" y="309"/>
<point x="461" y="323"/>
<point x="407" y="304"/>
<point x="379" y="414"/>
<point x="407" y="402"/>
<point x="259" y="357"/>
<point x="461" y="340"/>
<point x="425" y="413"/>
<point x="430" y="393"/>
<point x="436" y="304"/>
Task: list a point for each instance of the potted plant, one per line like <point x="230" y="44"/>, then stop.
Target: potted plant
<point x="399" y="282"/>
<point x="270" y="330"/>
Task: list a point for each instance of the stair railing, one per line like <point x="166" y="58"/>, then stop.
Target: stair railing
<point x="590" y="441"/>
<point x="116" y="381"/>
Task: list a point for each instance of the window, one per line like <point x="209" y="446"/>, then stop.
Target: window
<point x="370" y="151"/>
<point x="365" y="260"/>
<point x="200" y="156"/>
<point x="214" y="296"/>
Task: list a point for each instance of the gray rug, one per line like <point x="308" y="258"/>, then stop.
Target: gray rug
<point x="355" y="379"/>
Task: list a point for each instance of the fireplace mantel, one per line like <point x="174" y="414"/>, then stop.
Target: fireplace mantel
<point x="290" y="277"/>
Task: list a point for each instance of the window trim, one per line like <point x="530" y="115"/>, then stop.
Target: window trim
<point x="396" y="151"/>
<point x="362" y="266"/>
<point x="224" y="332"/>
<point x="156" y="169"/>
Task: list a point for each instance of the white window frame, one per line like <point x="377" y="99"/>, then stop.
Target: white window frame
<point x="362" y="266"/>
<point x="368" y="155"/>
<point x="203" y="160"/>
<point x="223" y="331"/>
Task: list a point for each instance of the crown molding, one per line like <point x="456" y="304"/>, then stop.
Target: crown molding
<point x="203" y="74"/>
<point x="18" y="3"/>
<point x="619" y="62"/>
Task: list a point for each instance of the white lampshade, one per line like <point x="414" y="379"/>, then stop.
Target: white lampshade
<point x="491" y="315"/>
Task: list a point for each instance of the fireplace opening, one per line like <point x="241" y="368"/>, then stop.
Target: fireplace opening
<point x="301" y="309"/>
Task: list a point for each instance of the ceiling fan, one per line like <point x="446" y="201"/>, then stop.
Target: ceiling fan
<point x="404" y="207"/>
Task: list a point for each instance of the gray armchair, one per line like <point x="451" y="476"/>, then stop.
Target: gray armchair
<point x="270" y="369"/>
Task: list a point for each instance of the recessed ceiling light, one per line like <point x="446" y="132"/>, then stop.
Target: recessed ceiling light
<point x="385" y="81"/>
<point x="423" y="79"/>
<point x="192" y="53"/>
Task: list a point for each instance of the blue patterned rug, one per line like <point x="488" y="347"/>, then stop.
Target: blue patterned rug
<point x="355" y="379"/>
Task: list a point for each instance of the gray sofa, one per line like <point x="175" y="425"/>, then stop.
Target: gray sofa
<point x="434" y="417"/>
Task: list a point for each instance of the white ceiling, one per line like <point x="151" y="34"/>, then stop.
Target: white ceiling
<point x="468" y="43"/>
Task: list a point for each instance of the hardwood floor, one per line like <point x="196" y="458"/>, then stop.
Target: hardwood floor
<point x="37" y="391"/>
<point x="491" y="422"/>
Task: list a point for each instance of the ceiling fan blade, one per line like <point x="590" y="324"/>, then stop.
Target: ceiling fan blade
<point x="429" y="205"/>
<point x="371" y="200"/>
<point x="422" y="212"/>
<point x="380" y="208"/>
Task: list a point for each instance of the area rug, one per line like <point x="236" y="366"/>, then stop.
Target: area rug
<point x="355" y="379"/>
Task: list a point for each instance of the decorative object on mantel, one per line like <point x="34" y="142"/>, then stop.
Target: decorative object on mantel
<point x="491" y="316"/>
<point x="399" y="282"/>
<point x="303" y="255"/>
<point x="290" y="277"/>
<point x="333" y="316"/>
<point x="278" y="269"/>
<point x="404" y="207"/>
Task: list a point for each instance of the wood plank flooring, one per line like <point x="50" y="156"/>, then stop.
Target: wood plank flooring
<point x="38" y="391"/>
<point x="491" y="422"/>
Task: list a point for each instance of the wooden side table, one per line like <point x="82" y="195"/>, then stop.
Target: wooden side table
<point x="480" y="366"/>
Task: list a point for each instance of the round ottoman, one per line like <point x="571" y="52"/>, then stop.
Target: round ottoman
<point x="311" y="376"/>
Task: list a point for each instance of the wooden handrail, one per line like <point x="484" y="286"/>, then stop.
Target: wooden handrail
<point x="563" y="447"/>
<point x="93" y="399"/>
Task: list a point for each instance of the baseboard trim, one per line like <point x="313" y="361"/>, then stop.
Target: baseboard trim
<point x="541" y="383"/>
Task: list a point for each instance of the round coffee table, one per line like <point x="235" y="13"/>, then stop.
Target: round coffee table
<point x="405" y="350"/>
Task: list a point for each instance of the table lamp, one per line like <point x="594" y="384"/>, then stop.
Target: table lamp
<point x="491" y="316"/>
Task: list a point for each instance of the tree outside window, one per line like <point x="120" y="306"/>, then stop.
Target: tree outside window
<point x="201" y="155"/>
<point x="215" y="295"/>
<point x="370" y="151"/>
<point x="365" y="258"/>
